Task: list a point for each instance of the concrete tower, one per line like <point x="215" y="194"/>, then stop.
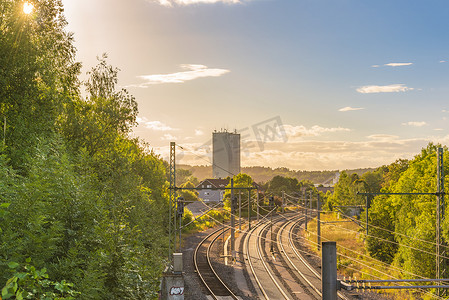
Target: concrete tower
<point x="226" y="154"/>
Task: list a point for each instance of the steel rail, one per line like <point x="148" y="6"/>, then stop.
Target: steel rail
<point x="251" y="264"/>
<point x="294" y="250"/>
<point x="261" y="258"/>
<point x="210" y="265"/>
<point x="298" y="255"/>
<point x="270" y="273"/>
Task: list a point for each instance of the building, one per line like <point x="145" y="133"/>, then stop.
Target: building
<point x="225" y="154"/>
<point x="212" y="190"/>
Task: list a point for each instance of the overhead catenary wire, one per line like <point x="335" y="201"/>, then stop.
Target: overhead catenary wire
<point x="382" y="239"/>
<point x="380" y="263"/>
<point x="309" y="252"/>
<point x="383" y="229"/>
<point x="312" y="210"/>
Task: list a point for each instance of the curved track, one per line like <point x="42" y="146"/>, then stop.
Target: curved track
<point x="282" y="273"/>
<point x="216" y="287"/>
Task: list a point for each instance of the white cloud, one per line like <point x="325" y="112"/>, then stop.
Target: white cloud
<point x="442" y="61"/>
<point x="308" y="154"/>
<point x="398" y="64"/>
<point x="193" y="72"/>
<point x="302" y="131"/>
<point x="199" y="132"/>
<point x="170" y="3"/>
<point x="415" y="124"/>
<point x="169" y="137"/>
<point x="438" y="129"/>
<point x="316" y="155"/>
<point x="382" y="137"/>
<point x="375" y="66"/>
<point x="348" y="108"/>
<point x="154" y="125"/>
<point x="393" y="88"/>
<point x="445" y="111"/>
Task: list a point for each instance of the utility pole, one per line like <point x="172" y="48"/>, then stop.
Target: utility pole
<point x="305" y="209"/>
<point x="172" y="219"/>
<point x="366" y="213"/>
<point x="258" y="205"/>
<point x="233" y="200"/>
<point x="240" y="211"/>
<point x="441" y="244"/>
<point x="283" y="201"/>
<point x="318" y="222"/>
<point x="180" y="212"/>
<point x="271" y="206"/>
<point x="441" y="262"/>
<point x="311" y="195"/>
<point x="249" y="209"/>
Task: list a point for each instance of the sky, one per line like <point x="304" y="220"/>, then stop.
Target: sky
<point x="309" y="84"/>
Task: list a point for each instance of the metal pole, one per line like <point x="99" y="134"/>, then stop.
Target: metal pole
<point x="441" y="249"/>
<point x="329" y="271"/>
<point x="240" y="211"/>
<point x="305" y="208"/>
<point x="232" y="217"/>
<point x="271" y="230"/>
<point x="172" y="219"/>
<point x="223" y="235"/>
<point x="366" y="213"/>
<point x="180" y="224"/>
<point x="249" y="209"/>
<point x="311" y="195"/>
<point x="258" y="206"/>
<point x="283" y="201"/>
<point x="318" y="222"/>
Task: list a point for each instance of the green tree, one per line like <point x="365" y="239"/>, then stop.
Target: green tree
<point x="240" y="180"/>
<point x="345" y="191"/>
<point x="38" y="74"/>
<point x="280" y="183"/>
<point x="95" y="123"/>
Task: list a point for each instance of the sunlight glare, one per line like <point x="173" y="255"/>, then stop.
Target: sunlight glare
<point x="27" y="8"/>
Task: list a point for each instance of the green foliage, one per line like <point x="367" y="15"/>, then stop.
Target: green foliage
<point x="403" y="226"/>
<point x="287" y="184"/>
<point x="345" y="191"/>
<point x="78" y="196"/>
<point x="381" y="243"/>
<point x="29" y="283"/>
<point x="38" y="74"/>
<point x="208" y="220"/>
<point x="240" y="180"/>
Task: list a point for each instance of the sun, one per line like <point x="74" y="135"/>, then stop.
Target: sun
<point x="28" y="8"/>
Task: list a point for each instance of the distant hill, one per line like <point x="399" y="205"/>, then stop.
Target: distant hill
<point x="264" y="174"/>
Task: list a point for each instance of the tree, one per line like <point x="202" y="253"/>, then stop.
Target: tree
<point x="287" y="184"/>
<point x="240" y="180"/>
<point x="38" y="74"/>
<point x="345" y="191"/>
<point x="95" y="123"/>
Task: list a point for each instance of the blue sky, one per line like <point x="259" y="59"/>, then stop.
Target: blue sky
<point x="347" y="83"/>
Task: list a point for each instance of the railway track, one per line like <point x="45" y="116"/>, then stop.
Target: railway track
<point x="273" y="261"/>
<point x="279" y="270"/>
<point x="201" y="258"/>
<point x="269" y="275"/>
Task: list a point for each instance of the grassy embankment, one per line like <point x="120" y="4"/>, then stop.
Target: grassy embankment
<point x="353" y="261"/>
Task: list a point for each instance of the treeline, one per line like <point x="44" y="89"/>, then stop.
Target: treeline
<point x="402" y="228"/>
<point x="82" y="205"/>
<point x="265" y="174"/>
